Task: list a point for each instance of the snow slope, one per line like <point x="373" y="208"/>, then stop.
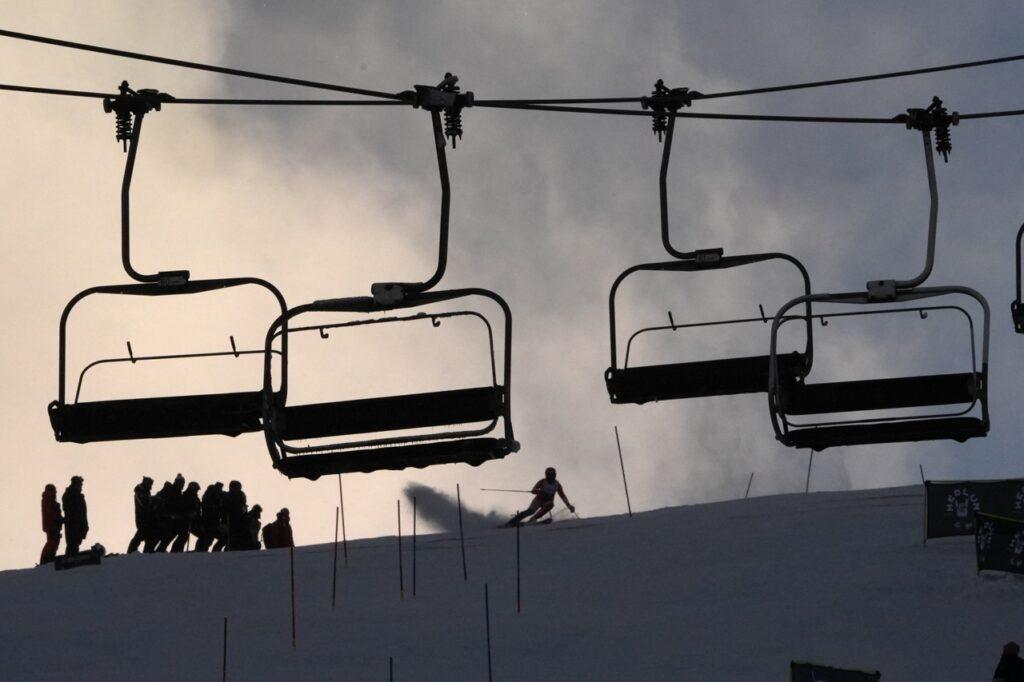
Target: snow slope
<point x="725" y="591"/>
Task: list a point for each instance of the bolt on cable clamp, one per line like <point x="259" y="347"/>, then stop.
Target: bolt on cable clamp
<point x="664" y="100"/>
<point x="132" y="103"/>
<point x="934" y="117"/>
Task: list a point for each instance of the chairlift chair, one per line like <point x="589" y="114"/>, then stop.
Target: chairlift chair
<point x="227" y="414"/>
<point x="358" y="430"/>
<point x="729" y="376"/>
<point x="966" y="393"/>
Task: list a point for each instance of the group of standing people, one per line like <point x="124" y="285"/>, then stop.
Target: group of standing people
<point x="69" y="515"/>
<point x="165" y="520"/>
<point x="220" y="519"/>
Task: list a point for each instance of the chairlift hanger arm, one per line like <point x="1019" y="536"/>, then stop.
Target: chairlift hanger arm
<point x="127" y="106"/>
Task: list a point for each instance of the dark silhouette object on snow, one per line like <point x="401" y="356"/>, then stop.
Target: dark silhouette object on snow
<point x="52" y="522"/>
<point x="143" y="516"/>
<point x="544" y="492"/>
<point x="1011" y="667"/>
<point x="279" y="533"/>
<point x="76" y="517"/>
<point x="188" y="516"/>
<point x="212" y="522"/>
<point x="167" y="511"/>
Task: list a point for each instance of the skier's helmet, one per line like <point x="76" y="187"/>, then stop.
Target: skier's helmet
<point x="549" y="473"/>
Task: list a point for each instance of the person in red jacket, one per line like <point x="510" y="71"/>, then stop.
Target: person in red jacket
<point x="52" y="522"/>
<point x="279" y="533"/>
<point x="544" y="498"/>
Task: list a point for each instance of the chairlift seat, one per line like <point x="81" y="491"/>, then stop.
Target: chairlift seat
<point x="390" y="413"/>
<point x="473" y="451"/>
<point x="728" y="376"/>
<point x="818" y="438"/>
<point x="797" y="398"/>
<point x="228" y="414"/>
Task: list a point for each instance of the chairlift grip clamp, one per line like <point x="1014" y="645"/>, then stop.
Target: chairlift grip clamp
<point x="172" y="278"/>
<point x="934" y="117"/>
<point x="132" y="103"/>
<point x="445" y="98"/>
<point x="664" y="100"/>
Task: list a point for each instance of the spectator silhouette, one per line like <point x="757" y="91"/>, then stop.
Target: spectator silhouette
<point x="170" y="512"/>
<point x="1011" y="667"/>
<point x="52" y="521"/>
<point x="235" y="508"/>
<point x="188" y="516"/>
<point x="211" y="517"/>
<point x="161" y="506"/>
<point x="143" y="515"/>
<point x="76" y="518"/>
<point x="252" y="526"/>
<point x="279" y="533"/>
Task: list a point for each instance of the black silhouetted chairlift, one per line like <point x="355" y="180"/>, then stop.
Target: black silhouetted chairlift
<point x="364" y="435"/>
<point x="699" y="379"/>
<point x="228" y="414"/>
<point x="1017" y="307"/>
<point x="964" y="394"/>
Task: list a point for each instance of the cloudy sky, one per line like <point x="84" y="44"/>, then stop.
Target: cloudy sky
<point x="547" y="209"/>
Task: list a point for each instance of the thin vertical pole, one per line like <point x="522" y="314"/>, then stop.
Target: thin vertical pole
<point x="807" y="485"/>
<point x="334" y="577"/>
<point x="344" y="537"/>
<point x="519" y="598"/>
<point x="487" y="618"/>
<point x="414" y="546"/>
<point x="391" y="669"/>
<point x="921" y="468"/>
<point x="291" y="561"/>
<point x="224" y="661"/>
<point x="462" y="535"/>
<point x="625" y="485"/>
<point x="401" y="573"/>
<point x="749" y="482"/>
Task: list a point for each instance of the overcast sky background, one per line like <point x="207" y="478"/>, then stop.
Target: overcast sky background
<point x="547" y="210"/>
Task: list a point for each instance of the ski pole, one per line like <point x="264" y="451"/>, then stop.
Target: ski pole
<point x="504" y="490"/>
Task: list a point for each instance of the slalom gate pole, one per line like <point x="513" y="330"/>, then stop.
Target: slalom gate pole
<point x="414" y="546"/>
<point x="921" y="468"/>
<point x="291" y="561"/>
<point x="519" y="598"/>
<point x="625" y="485"/>
<point x="344" y="537"/>
<point x="401" y="573"/>
<point x="391" y="669"/>
<point x="334" y="577"/>
<point x="810" y="462"/>
<point x="749" y="482"/>
<point x="487" y="619"/>
<point x="462" y="534"/>
<point x="224" y="661"/>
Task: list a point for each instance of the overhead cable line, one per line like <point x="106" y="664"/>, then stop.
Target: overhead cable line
<point x="196" y="65"/>
<point x="860" y="79"/>
<point x="54" y="91"/>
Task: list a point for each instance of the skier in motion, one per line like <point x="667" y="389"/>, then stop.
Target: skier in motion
<point x="544" y="499"/>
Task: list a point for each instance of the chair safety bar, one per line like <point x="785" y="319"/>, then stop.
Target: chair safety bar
<point x="730" y="376"/>
<point x="376" y="416"/>
<point x="788" y="397"/>
<point x="227" y="414"/>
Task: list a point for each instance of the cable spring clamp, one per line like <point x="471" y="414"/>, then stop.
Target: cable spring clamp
<point x="131" y="102"/>
<point x="446" y="98"/>
<point x="934" y="117"/>
<point x="664" y="100"/>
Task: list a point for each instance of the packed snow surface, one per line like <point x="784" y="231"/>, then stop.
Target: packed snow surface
<point x="725" y="591"/>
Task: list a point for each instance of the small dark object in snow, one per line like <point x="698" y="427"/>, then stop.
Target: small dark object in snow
<point x="91" y="557"/>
